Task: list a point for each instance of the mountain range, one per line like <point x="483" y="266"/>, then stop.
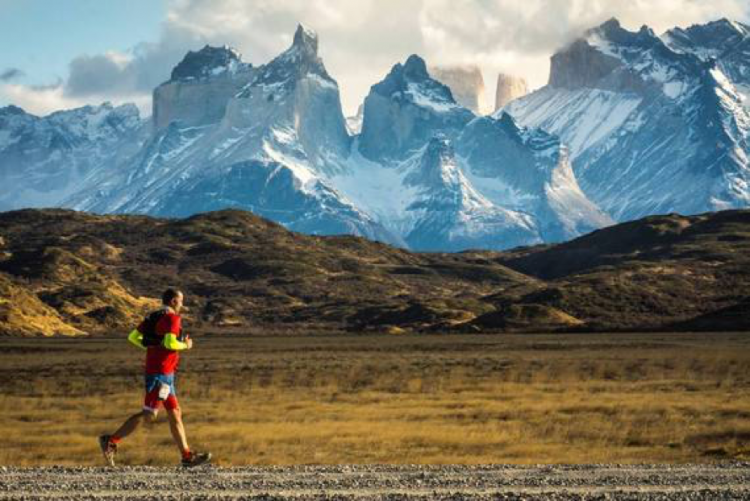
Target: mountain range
<point x="654" y="124"/>
<point x="630" y="124"/>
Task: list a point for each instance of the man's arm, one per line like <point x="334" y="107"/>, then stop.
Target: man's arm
<point x="172" y="343"/>
<point x="136" y="338"/>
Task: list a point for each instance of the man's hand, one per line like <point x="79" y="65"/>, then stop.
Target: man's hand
<point x="189" y="342"/>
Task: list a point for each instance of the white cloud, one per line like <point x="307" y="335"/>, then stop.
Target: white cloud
<point x="39" y="101"/>
<point x="43" y="100"/>
<point x="519" y="37"/>
<point x="360" y="40"/>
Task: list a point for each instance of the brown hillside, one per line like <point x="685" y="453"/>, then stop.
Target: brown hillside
<point x="648" y="274"/>
<point x="65" y="272"/>
<point x="239" y="271"/>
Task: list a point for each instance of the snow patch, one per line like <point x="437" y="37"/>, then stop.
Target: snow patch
<point x="285" y="135"/>
<point x="497" y="191"/>
<point x="300" y="168"/>
<point x="582" y="118"/>
<point x="435" y="103"/>
<point x="743" y="91"/>
<point x="224" y="146"/>
<point x="377" y="189"/>
<point x="674" y="89"/>
<point x="602" y="44"/>
<point x="322" y="82"/>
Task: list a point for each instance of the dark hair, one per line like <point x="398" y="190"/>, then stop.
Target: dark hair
<point x="169" y="295"/>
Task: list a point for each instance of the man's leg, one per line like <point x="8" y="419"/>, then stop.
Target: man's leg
<point x="189" y="458"/>
<point x="133" y="422"/>
<point x="178" y="429"/>
<point x="108" y="443"/>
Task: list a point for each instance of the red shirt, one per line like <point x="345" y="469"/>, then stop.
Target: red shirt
<point x="160" y="360"/>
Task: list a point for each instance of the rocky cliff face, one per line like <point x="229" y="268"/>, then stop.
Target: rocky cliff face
<point x="508" y="88"/>
<point x="465" y="82"/>
<point x="580" y="65"/>
<point x="200" y="88"/>
<point x="452" y="214"/>
<point x="295" y="91"/>
<point x="606" y="57"/>
<point x="419" y="174"/>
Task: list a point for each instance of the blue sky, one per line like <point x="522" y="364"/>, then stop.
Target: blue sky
<point x="40" y="37"/>
<point x="58" y="54"/>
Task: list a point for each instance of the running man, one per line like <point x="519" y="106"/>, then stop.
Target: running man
<point x="160" y="334"/>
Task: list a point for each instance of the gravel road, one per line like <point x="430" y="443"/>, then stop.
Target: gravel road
<point x="600" y="482"/>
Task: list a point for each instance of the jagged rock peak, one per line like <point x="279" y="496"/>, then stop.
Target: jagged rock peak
<point x="727" y="24"/>
<point x="405" y="109"/>
<point x="719" y="35"/>
<point x="298" y="60"/>
<point x="285" y="70"/>
<point x="610" y="25"/>
<point x="415" y="69"/>
<point x="439" y="146"/>
<point x="612" y="31"/>
<point x="106" y="108"/>
<point x="205" y="62"/>
<point x="535" y="138"/>
<point x="591" y="59"/>
<point x="306" y="39"/>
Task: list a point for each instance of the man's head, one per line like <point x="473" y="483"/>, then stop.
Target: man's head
<point x="172" y="298"/>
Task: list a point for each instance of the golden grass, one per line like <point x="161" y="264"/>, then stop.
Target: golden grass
<point x="385" y="399"/>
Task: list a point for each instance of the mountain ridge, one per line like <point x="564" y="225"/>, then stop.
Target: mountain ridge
<point x="631" y="124"/>
<point x="655" y="124"/>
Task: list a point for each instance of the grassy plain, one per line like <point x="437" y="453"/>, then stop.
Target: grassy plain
<point x="583" y="398"/>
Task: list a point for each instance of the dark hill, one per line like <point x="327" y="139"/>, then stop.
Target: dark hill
<point x="69" y="272"/>
<point x="691" y="270"/>
<point x="65" y="271"/>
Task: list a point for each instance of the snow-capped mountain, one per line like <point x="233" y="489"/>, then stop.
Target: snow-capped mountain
<point x="725" y="41"/>
<point x="405" y="110"/>
<point x="45" y="159"/>
<point x="528" y="170"/>
<point x="654" y="124"/>
<point x="424" y="171"/>
<point x="267" y="153"/>
<point x="457" y="181"/>
<point x="449" y="213"/>
<point x="200" y="87"/>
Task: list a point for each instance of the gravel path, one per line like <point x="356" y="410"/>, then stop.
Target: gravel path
<point x="600" y="482"/>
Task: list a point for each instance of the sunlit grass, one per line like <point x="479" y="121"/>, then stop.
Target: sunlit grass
<point x="577" y="399"/>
